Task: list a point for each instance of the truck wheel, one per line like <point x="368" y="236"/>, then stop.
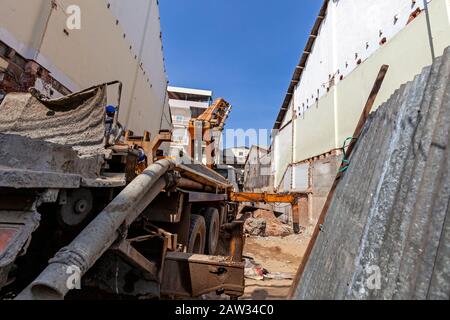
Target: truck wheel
<point x="197" y="235"/>
<point x="212" y="219"/>
<point x="77" y="208"/>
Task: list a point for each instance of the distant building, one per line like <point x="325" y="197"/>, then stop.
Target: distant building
<point x="257" y="170"/>
<point x="235" y="157"/>
<point x="185" y="104"/>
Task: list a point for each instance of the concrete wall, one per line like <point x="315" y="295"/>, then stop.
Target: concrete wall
<point x="283" y="156"/>
<point x="300" y="174"/>
<point x="390" y="216"/>
<point x="315" y="131"/>
<point x="323" y="173"/>
<point x="333" y="118"/>
<point x="118" y="43"/>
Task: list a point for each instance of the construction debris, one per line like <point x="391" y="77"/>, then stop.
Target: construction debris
<point x="264" y="223"/>
<point x="387" y="232"/>
<point x="255" y="227"/>
<point x="256" y="271"/>
<point x="275" y="228"/>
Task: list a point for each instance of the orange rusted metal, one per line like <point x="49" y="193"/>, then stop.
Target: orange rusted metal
<point x="6" y="236"/>
<point x="150" y="146"/>
<point x="213" y="119"/>
<point x="264" y="197"/>
<point x="216" y="114"/>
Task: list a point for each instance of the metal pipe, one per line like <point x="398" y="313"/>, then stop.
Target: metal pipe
<point x="185" y="183"/>
<point x="75" y="260"/>
<point x="430" y="31"/>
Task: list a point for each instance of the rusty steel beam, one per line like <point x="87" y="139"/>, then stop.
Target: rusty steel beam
<point x="193" y="275"/>
<point x="126" y="250"/>
<point x="364" y="116"/>
<point x="189" y="184"/>
<point x="236" y="230"/>
<point x="206" y="197"/>
<point x="264" y="197"/>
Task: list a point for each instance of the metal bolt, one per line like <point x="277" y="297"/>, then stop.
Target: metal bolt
<point x="81" y="206"/>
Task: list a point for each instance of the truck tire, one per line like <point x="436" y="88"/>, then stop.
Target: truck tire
<point x="197" y="235"/>
<point x="212" y="219"/>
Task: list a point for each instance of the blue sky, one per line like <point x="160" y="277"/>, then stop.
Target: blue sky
<point x="243" y="50"/>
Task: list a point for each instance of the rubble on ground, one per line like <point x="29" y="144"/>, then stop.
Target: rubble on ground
<point x="255" y="227"/>
<point x="264" y="223"/>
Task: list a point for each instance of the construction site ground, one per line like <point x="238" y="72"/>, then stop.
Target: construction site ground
<point x="277" y="255"/>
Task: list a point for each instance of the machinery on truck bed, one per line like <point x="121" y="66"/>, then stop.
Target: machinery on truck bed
<point x="206" y="129"/>
<point x="78" y="210"/>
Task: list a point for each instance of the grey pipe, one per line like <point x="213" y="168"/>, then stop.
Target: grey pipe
<point x="54" y="282"/>
<point x="185" y="183"/>
<point x="430" y="32"/>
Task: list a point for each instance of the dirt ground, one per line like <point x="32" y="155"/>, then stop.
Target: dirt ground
<point x="275" y="254"/>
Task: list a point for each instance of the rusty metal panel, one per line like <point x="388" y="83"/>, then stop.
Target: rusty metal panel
<point x="386" y="235"/>
<point x="191" y="275"/>
<point x="16" y="229"/>
<point x="206" y="197"/>
<point x="167" y="207"/>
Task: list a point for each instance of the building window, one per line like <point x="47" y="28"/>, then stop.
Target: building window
<point x="179" y="118"/>
<point x="241" y="154"/>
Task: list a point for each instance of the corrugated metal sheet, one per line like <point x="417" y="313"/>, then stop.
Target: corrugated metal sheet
<point x="387" y="233"/>
<point x="77" y="120"/>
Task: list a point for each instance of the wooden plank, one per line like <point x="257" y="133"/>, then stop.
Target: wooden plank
<point x="364" y="116"/>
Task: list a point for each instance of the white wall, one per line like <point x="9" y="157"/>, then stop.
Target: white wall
<point x="351" y="27"/>
<point x="187" y="104"/>
<point x="98" y="52"/>
<point x="282" y="156"/>
<point x="181" y="129"/>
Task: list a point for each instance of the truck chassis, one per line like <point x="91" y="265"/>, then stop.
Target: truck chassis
<point x="72" y="219"/>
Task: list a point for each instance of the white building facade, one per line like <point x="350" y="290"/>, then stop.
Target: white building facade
<point x="236" y="156"/>
<point x="348" y="45"/>
<point x="185" y="104"/>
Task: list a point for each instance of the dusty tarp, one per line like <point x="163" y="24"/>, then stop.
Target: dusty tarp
<point x="387" y="232"/>
<point x="77" y="120"/>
